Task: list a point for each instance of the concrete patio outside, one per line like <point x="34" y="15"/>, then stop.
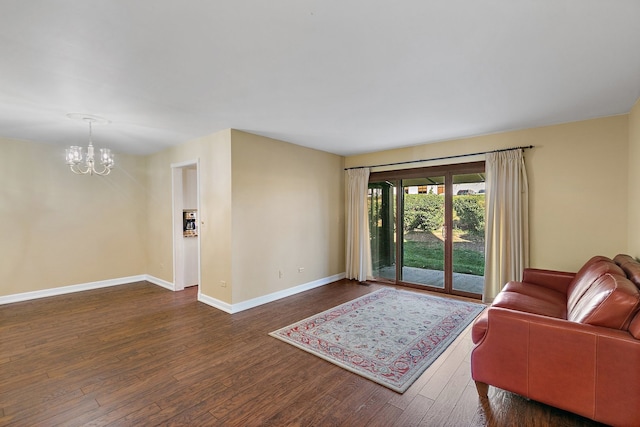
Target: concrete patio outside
<point x="435" y="278"/>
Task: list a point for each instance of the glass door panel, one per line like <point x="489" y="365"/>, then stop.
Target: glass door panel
<point x="382" y="229"/>
<point x="423" y="232"/>
<point x="468" y="232"/>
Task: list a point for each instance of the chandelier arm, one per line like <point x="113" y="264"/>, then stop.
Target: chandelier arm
<point x="105" y="171"/>
<point x="75" y="168"/>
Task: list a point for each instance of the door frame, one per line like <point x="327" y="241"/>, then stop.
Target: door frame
<point x="177" y="207"/>
<point x="448" y="171"/>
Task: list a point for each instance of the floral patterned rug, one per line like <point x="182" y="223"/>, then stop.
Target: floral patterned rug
<point x="389" y="336"/>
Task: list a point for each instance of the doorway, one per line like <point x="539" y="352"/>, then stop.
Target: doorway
<point x="186" y="222"/>
<point x="427" y="228"/>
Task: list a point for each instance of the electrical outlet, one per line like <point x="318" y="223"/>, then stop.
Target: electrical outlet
<point x="280" y="274"/>
<point x="300" y="269"/>
<point x="223" y="283"/>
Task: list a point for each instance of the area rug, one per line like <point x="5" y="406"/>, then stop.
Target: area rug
<point x="389" y="336"/>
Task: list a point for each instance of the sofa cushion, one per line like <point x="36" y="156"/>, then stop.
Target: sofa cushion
<point x="586" y="276"/>
<point x="538" y="292"/>
<point x="630" y="266"/>
<point x="530" y="304"/>
<point x="611" y="301"/>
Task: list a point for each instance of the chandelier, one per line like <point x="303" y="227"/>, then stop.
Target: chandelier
<point x="83" y="164"/>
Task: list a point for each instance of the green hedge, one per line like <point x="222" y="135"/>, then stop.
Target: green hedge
<point x="423" y="212"/>
<point x="469" y="213"/>
<point x="426" y="212"/>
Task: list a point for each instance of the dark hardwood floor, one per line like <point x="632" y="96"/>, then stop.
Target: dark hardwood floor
<point x="141" y="355"/>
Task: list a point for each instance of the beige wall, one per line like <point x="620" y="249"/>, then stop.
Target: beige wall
<point x="60" y="229"/>
<point x="288" y="213"/>
<point x="634" y="182"/>
<point x="267" y="206"/>
<point x="214" y="155"/>
<point x="577" y="183"/>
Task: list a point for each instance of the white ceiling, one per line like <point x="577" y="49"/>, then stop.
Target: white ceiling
<point x="343" y="76"/>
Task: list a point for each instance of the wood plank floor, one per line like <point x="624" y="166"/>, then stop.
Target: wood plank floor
<point x="138" y="354"/>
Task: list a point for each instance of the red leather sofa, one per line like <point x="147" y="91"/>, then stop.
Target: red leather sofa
<point x="570" y="340"/>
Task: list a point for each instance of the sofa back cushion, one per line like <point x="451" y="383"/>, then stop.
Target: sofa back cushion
<point x="611" y="301"/>
<point x="630" y="266"/>
<point x="587" y="275"/>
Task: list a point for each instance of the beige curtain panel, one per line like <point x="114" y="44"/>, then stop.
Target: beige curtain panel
<point x="507" y="220"/>
<point x="358" y="252"/>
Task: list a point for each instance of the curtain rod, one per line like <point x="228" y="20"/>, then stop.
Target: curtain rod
<point x="443" y="158"/>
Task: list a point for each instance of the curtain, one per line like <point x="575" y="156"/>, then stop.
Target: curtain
<point x="507" y="220"/>
<point x="358" y="250"/>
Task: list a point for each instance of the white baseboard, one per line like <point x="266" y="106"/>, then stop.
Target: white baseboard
<point x="255" y="302"/>
<point x="213" y="302"/>
<point x="26" y="296"/>
<point x="159" y="282"/>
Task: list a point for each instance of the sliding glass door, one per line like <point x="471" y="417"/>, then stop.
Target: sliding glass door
<point x="423" y="231"/>
<point x="382" y="229"/>
<point x="467" y="240"/>
<point x="427" y="228"/>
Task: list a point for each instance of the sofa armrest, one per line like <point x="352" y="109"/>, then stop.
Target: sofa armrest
<point x="556" y="280"/>
<point x="581" y="368"/>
